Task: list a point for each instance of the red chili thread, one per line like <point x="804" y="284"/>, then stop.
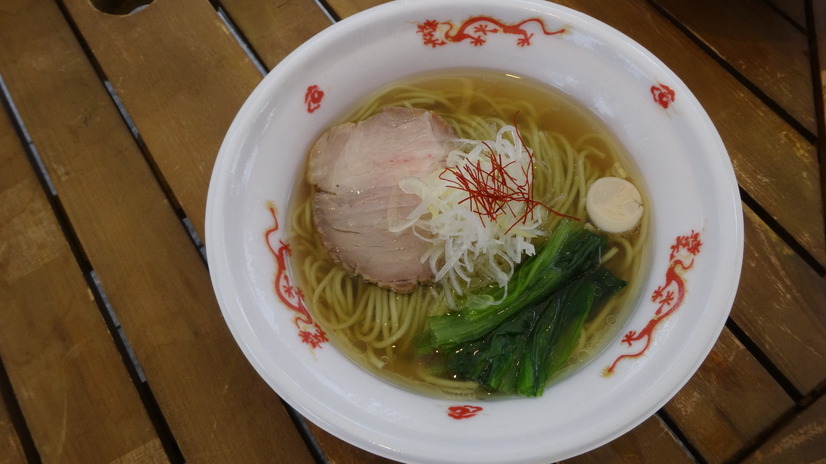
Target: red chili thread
<point x="492" y="192"/>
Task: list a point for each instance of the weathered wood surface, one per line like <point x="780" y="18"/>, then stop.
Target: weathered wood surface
<point x="181" y="74"/>
<point x="20" y="255"/>
<point x="274" y="29"/>
<point x="728" y="403"/>
<point x="183" y="79"/>
<point x="794" y="10"/>
<point x="651" y="442"/>
<point x="10" y="446"/>
<point x="782" y="310"/>
<point x="762" y="46"/>
<point x="155" y="279"/>
<point x="817" y="36"/>
<point x="77" y="397"/>
<point x="802" y="439"/>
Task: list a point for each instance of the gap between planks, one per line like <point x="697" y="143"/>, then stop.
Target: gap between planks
<point x="118" y="337"/>
<point x="173" y="452"/>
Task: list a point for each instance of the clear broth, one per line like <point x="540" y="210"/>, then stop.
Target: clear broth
<point x="548" y="109"/>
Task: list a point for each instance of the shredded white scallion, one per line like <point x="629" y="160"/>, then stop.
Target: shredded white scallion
<point x="467" y="246"/>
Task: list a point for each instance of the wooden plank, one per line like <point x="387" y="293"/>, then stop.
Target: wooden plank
<point x="780" y="305"/>
<point x="340" y="452"/>
<point x="178" y="53"/>
<point x="217" y="407"/>
<point x="818" y="24"/>
<point x="650" y="442"/>
<point x="275" y="29"/>
<point x="773" y="163"/>
<point x="802" y="440"/>
<point x="759" y="43"/>
<point x="795" y="10"/>
<point x="10" y="447"/>
<point x="728" y="402"/>
<point x="70" y="381"/>
<point x="345" y="8"/>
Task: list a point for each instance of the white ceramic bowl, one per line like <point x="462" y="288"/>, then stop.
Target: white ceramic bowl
<point x="697" y="236"/>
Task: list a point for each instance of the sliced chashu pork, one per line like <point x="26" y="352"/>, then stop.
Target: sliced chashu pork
<point x="356" y="169"/>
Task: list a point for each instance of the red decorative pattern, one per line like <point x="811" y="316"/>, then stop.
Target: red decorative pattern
<point x="663" y="95"/>
<point x="463" y="412"/>
<point x="669" y="296"/>
<point x="312" y="98"/>
<point x="437" y="33"/>
<point x="308" y="330"/>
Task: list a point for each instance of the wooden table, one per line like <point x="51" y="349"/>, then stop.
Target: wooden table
<point x="113" y="348"/>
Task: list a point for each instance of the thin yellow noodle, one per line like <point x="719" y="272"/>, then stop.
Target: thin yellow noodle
<point x="565" y="185"/>
<point x="374" y="359"/>
<point x="388" y="321"/>
<point x="397" y="334"/>
<point x="379" y="314"/>
<point x="622" y="241"/>
<point x="369" y="315"/>
<point x="394" y="312"/>
<point x="610" y="253"/>
<point x="456" y="387"/>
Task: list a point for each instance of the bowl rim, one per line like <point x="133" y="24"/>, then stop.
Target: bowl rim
<point x="341" y="426"/>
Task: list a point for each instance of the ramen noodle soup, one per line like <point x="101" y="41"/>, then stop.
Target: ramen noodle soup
<point x="554" y="151"/>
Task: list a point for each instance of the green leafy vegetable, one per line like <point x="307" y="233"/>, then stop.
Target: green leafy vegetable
<point x="554" y="336"/>
<point x="570" y="251"/>
<point x="515" y="342"/>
